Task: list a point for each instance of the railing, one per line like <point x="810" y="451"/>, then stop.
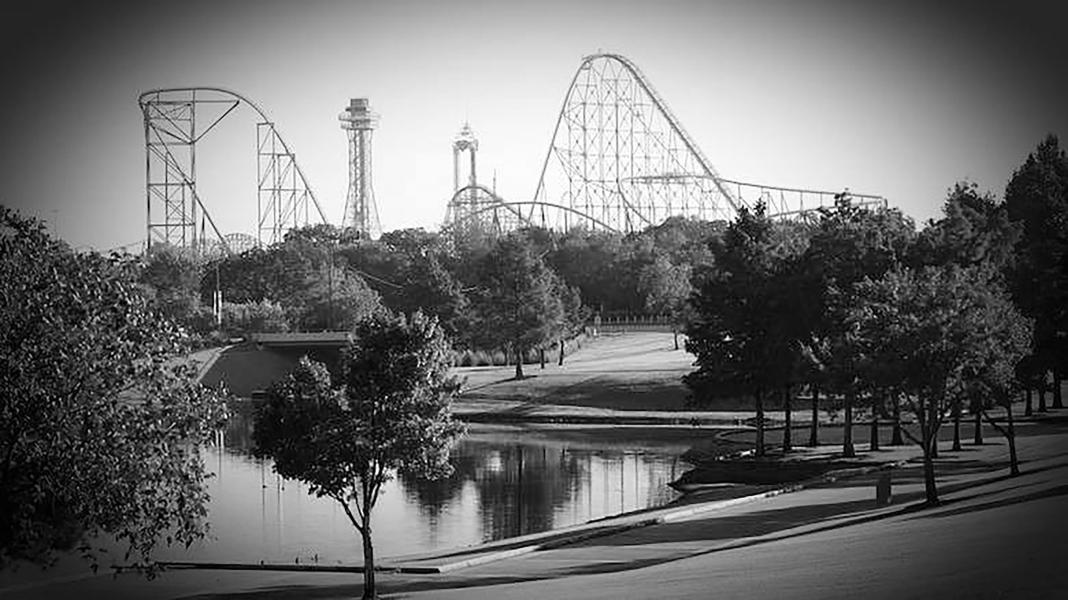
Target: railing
<point x="624" y="323"/>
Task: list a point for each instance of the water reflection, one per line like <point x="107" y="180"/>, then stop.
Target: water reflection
<point x="508" y="481"/>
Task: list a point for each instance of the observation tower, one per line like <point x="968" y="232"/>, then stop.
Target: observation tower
<point x="361" y="213"/>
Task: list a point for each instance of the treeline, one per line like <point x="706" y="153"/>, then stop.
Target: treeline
<point x="858" y="306"/>
<point x="523" y="294"/>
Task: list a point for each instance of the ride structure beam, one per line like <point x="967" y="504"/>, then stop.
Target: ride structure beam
<point x="175" y="121"/>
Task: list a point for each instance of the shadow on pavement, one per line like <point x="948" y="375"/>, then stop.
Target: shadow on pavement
<point x="1061" y="490"/>
<point x="289" y="592"/>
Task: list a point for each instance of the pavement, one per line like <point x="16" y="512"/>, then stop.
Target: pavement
<point x="704" y="529"/>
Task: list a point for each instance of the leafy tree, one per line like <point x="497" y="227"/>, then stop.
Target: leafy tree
<point x="1037" y="198"/>
<point x="332" y="299"/>
<point x="667" y="290"/>
<point x="736" y="333"/>
<point x="974" y="230"/>
<point x="430" y="287"/>
<point x="575" y="314"/>
<point x="388" y="413"/>
<point x="100" y="419"/>
<point x="590" y="261"/>
<point x="171" y="275"/>
<point x="518" y="307"/>
<point x="848" y="245"/>
<point x="940" y="329"/>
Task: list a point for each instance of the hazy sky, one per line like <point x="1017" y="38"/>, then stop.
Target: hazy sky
<point x="893" y="98"/>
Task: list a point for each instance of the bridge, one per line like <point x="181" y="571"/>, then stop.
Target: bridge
<point x="618" y="160"/>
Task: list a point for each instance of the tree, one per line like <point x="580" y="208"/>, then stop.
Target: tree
<point x="974" y="230"/>
<point x="333" y="298"/>
<point x="1036" y="198"/>
<point x="388" y="413"/>
<point x="941" y="329"/>
<point x="429" y="287"/>
<point x="736" y="332"/>
<point x="100" y="418"/>
<point x="667" y="289"/>
<point x="849" y="244"/>
<point x="590" y="261"/>
<point x="518" y="305"/>
<point x="172" y="276"/>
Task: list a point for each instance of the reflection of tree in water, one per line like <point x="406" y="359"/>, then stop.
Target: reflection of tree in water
<point x="519" y="486"/>
<point x="238" y="432"/>
<point x="433" y="497"/>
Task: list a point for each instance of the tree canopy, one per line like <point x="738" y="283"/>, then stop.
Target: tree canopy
<point x="100" y="417"/>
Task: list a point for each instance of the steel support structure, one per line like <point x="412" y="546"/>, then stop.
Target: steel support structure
<point x="361" y="212"/>
<point x="620" y="157"/>
<point x="281" y="193"/>
<point x="175" y="121"/>
<point x="620" y="160"/>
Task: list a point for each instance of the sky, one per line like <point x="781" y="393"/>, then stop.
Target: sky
<point x="899" y="99"/>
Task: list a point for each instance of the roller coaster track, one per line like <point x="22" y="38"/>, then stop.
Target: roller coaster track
<point x="619" y="159"/>
<point x="176" y="213"/>
<point x="476" y="210"/>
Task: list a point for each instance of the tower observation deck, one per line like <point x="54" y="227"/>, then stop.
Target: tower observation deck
<point x="361" y="213"/>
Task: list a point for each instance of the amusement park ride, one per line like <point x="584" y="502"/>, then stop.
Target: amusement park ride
<point x="618" y="160"/>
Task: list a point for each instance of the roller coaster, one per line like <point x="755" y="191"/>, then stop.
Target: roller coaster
<point x="176" y="120"/>
<point x="618" y="160"/>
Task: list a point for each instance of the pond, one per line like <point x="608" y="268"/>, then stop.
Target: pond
<point x="508" y="481"/>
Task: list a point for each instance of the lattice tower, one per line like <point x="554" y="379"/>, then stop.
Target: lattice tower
<point x="361" y="213"/>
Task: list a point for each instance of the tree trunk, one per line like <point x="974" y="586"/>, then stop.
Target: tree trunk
<point x="1042" y="397"/>
<point x="896" y="438"/>
<point x="541" y="356"/>
<point x="560" y="362"/>
<point x="675" y="331"/>
<point x="787" y="439"/>
<point x="518" y="363"/>
<point x="929" y="486"/>
<point x="1057" y="400"/>
<point x="814" y="429"/>
<point x="874" y="444"/>
<point x="978" y="440"/>
<point x="759" y="397"/>
<point x="1014" y="463"/>
<point x="369" y="592"/>
<point x="956" y="427"/>
<point x="932" y="407"/>
<point x="1028" y="407"/>
<point x="847" y="433"/>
